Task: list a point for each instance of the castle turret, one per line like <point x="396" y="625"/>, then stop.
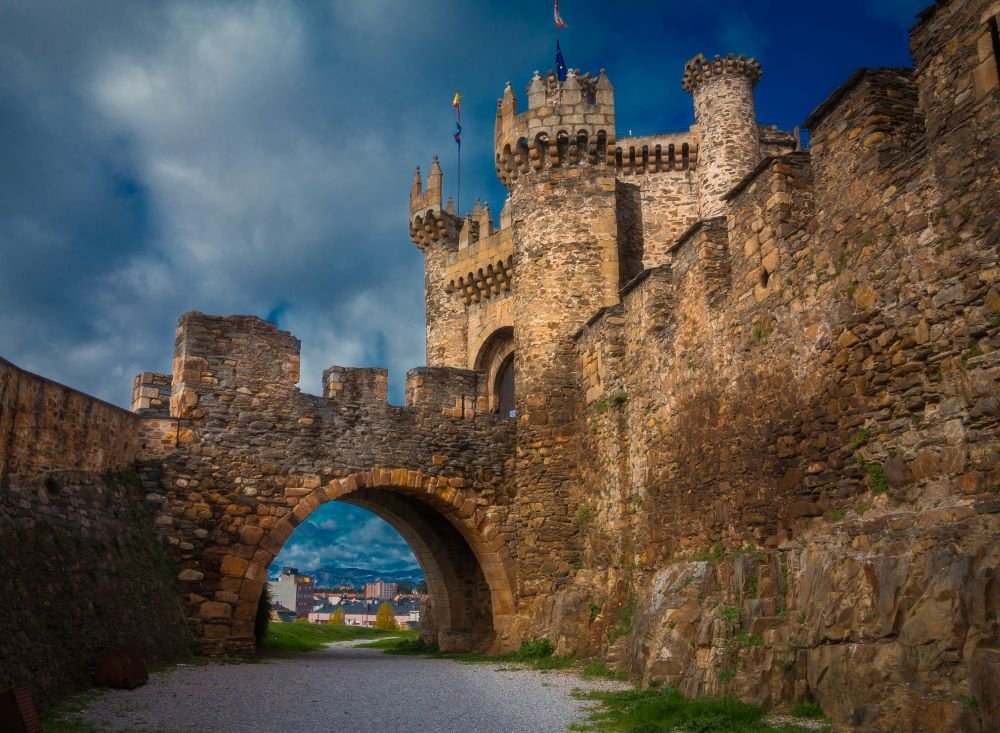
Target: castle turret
<point x="565" y="124"/>
<point x="729" y="141"/>
<point x="435" y="229"/>
<point x="557" y="159"/>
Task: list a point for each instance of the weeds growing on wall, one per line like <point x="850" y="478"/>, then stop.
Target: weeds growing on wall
<point x="663" y="710"/>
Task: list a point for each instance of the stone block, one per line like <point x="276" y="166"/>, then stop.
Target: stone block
<point x="215" y="611"/>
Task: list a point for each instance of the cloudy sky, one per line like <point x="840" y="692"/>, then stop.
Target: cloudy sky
<point x="256" y="157"/>
<point x="345" y="536"/>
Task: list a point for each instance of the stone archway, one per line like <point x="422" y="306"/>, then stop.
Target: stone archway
<point x="494" y="360"/>
<point x="468" y="567"/>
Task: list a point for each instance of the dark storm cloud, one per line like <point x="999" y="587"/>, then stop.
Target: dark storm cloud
<point x="255" y="157"/>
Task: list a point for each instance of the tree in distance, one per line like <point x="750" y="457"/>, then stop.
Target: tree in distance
<point x="385" y="618"/>
<point x="336" y="618"/>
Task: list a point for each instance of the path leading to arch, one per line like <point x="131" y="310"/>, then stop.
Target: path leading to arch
<point x="345" y="688"/>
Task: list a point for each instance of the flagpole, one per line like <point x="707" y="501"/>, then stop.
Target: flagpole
<point x="457" y="104"/>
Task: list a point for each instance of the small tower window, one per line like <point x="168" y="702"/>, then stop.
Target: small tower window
<point x="505" y="387"/>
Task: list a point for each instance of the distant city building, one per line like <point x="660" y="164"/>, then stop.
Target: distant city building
<point x="293" y="591"/>
<point x="382" y="590"/>
<point x="362" y="613"/>
<point x="282" y="614"/>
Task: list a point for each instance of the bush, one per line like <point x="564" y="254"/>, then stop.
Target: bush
<point x="337" y="617"/>
<point x="263" y="617"/>
<point x="534" y="649"/>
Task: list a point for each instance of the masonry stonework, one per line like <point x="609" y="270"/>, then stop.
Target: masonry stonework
<point x="81" y="567"/>
<point x="753" y="449"/>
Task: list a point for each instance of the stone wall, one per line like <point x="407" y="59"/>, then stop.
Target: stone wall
<point x="45" y="426"/>
<point x="654" y="210"/>
<point x="790" y="473"/>
<point x="81" y="569"/>
<point x="254" y="457"/>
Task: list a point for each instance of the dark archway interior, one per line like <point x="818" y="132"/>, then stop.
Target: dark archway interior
<point x="504" y="388"/>
<point x="459" y="615"/>
<point x="495" y="362"/>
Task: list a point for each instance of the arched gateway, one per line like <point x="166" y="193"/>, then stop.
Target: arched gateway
<point x="244" y="457"/>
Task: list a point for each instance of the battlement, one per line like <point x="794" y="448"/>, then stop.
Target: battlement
<point x="355" y="386"/>
<point x="699" y="70"/>
<point x="430" y="220"/>
<point x="151" y="393"/>
<point x="655" y="154"/>
<point x="565" y="124"/>
<point x="483" y="269"/>
<point x="449" y="391"/>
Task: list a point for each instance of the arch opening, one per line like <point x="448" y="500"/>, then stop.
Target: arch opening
<point x="495" y="362"/>
<point x="467" y="568"/>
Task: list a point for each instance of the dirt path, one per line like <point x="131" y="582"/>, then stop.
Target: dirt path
<point x="346" y="689"/>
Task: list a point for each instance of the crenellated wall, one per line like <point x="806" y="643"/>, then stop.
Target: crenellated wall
<point x="253" y="457"/>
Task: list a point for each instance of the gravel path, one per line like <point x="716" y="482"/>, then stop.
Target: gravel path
<point x="346" y="689"/>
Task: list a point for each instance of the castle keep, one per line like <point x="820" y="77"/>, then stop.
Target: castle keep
<point x="718" y="409"/>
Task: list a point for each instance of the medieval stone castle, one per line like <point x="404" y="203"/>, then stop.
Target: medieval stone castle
<point x="717" y="409"/>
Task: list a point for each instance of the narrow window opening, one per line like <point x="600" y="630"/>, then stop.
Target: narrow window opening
<point x="764" y="277"/>
<point x="995" y="36"/>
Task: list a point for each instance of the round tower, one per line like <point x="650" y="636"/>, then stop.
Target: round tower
<point x="557" y="160"/>
<point x="729" y="141"/>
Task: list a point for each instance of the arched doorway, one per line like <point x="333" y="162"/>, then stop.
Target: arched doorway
<point x="466" y="564"/>
<point x="495" y="361"/>
<point x="503" y="387"/>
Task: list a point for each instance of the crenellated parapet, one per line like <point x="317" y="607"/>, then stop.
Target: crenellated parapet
<point x="655" y="154"/>
<point x="700" y="69"/>
<point x="430" y="219"/>
<point x="356" y="385"/>
<point x="565" y="124"/>
<point x="448" y="391"/>
<point x="483" y="270"/>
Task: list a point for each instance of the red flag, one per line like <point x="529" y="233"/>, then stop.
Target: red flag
<point x="560" y="23"/>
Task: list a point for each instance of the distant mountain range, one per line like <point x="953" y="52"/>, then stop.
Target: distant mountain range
<point x="332" y="576"/>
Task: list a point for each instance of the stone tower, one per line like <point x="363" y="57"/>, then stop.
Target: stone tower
<point x="588" y="215"/>
<point x="554" y="157"/>
<point x="729" y="145"/>
<point x="434" y="228"/>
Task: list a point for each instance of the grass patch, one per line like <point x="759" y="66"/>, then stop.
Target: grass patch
<point x="876" y="475"/>
<point x="660" y="711"/>
<point x="731" y="615"/>
<point x="400" y="642"/>
<point x="808" y="708"/>
<point x="291" y="638"/>
<point x="537" y="653"/>
<point x="598" y="668"/>
<point x="624" y="625"/>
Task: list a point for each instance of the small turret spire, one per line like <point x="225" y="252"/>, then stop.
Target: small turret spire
<point x="417" y="187"/>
